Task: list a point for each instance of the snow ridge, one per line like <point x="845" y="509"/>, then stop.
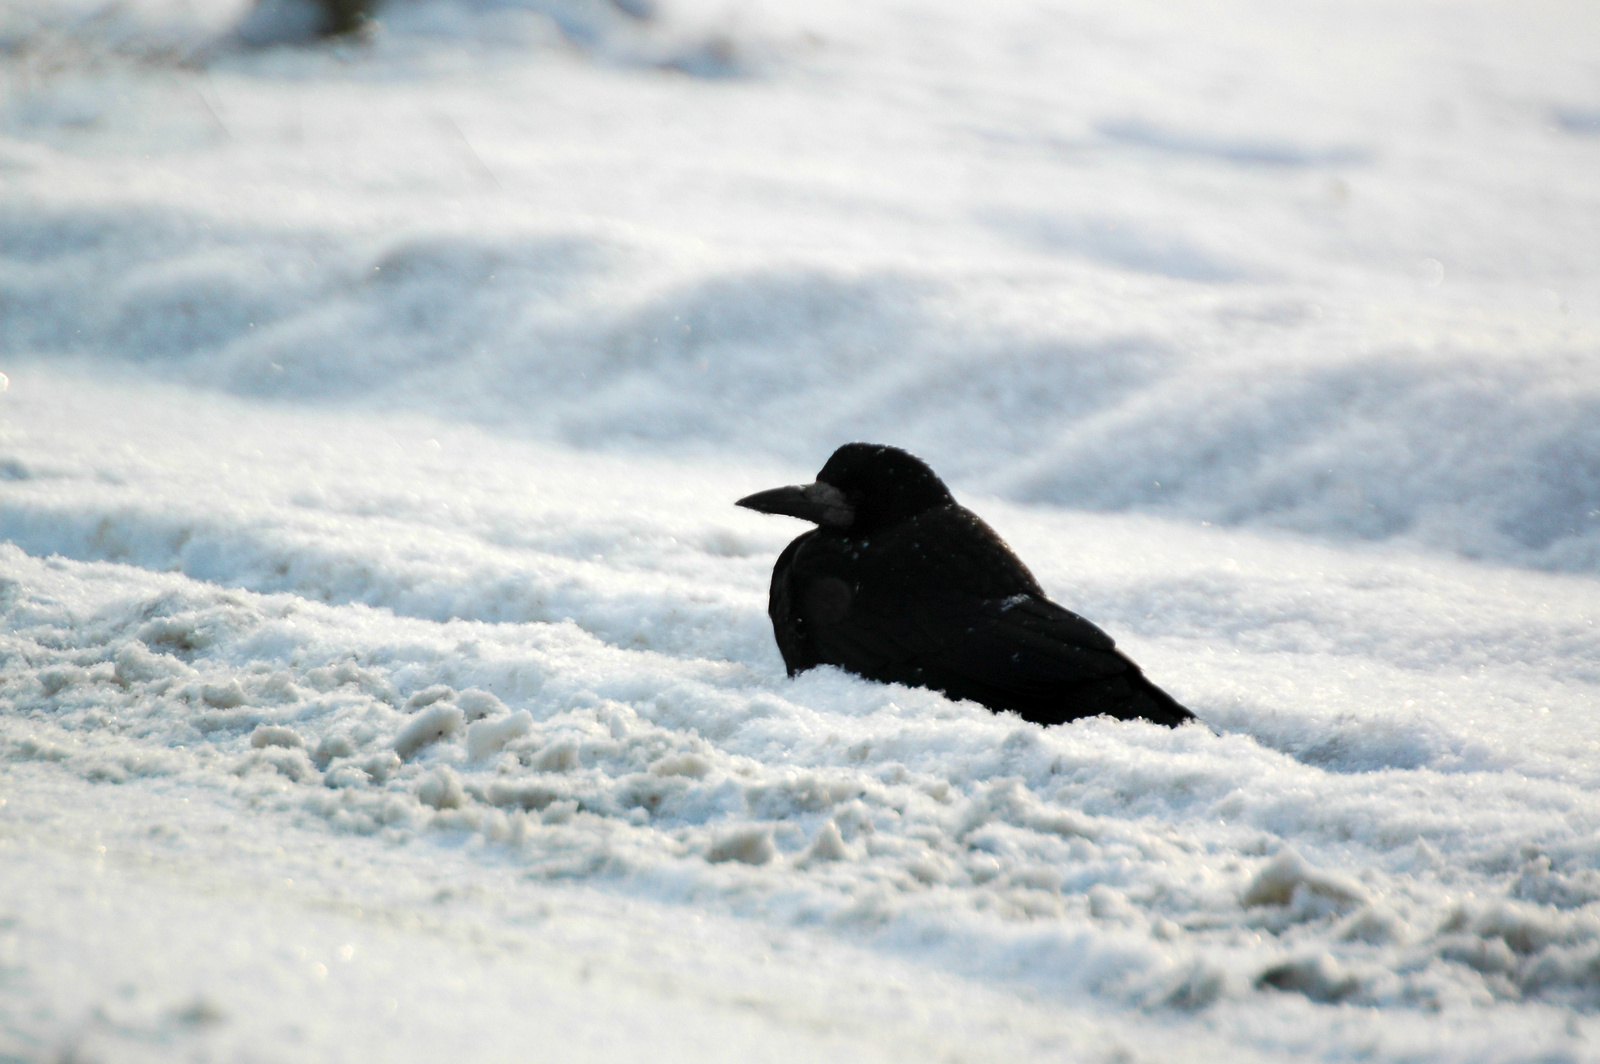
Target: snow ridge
<point x="1475" y="450"/>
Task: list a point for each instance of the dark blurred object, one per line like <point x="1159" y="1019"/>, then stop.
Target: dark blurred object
<point x="345" y="16"/>
<point x="271" y="22"/>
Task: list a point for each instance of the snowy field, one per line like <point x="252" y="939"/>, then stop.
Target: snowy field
<point x="385" y="673"/>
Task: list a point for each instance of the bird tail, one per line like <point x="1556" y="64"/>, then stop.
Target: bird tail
<point x="1153" y="704"/>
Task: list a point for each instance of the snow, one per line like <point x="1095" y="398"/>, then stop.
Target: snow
<point x="385" y="671"/>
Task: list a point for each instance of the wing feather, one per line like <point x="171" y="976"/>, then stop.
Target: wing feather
<point x="1023" y="646"/>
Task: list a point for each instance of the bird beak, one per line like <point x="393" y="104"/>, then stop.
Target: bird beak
<point x="821" y="503"/>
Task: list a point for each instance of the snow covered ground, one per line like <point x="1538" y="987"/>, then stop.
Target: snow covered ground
<point x="385" y="673"/>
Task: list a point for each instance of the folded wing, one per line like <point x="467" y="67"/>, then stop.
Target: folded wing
<point x="1022" y="652"/>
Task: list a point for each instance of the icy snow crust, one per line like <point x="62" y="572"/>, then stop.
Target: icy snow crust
<point x="384" y="671"/>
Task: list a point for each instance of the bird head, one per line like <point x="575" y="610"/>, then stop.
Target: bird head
<point x="863" y="487"/>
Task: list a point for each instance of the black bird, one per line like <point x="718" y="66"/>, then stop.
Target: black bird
<point x="900" y="583"/>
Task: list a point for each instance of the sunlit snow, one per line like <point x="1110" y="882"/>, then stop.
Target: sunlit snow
<point x="385" y="671"/>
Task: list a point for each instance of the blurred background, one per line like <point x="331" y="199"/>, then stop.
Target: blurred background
<point x="1330" y="269"/>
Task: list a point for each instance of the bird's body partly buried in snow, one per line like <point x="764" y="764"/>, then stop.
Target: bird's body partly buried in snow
<point x="900" y="583"/>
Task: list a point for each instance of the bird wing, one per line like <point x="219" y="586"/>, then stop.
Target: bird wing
<point x="1021" y="647"/>
<point x="787" y="626"/>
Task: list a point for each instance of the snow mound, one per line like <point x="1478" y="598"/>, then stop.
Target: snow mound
<point x="1125" y="860"/>
<point x="1486" y="452"/>
<point x="560" y="661"/>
